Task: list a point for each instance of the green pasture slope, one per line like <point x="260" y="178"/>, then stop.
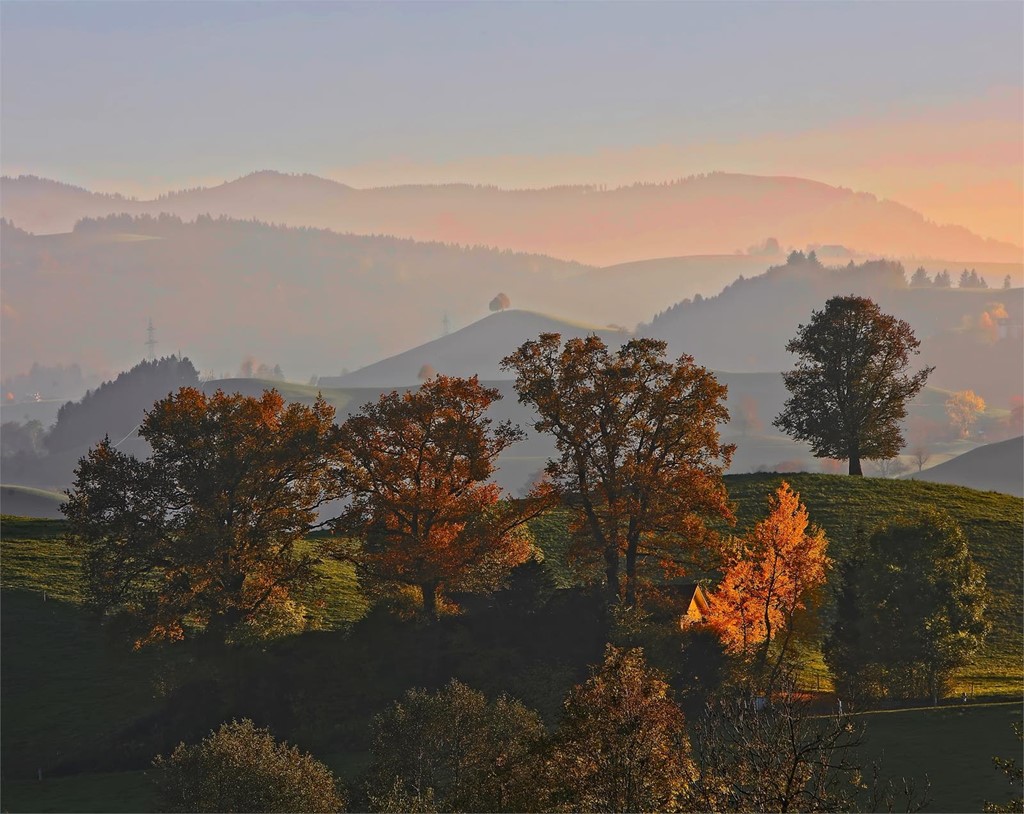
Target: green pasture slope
<point x="68" y="685"/>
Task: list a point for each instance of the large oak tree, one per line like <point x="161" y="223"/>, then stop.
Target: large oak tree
<point x="201" y="535"/>
<point x="849" y="390"/>
<point x="423" y="511"/>
<point x="640" y="460"/>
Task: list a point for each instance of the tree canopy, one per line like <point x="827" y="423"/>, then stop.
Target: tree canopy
<point x="201" y="536"/>
<point x="910" y="610"/>
<point x="422" y="508"/>
<point x="242" y="768"/>
<point x="640" y="460"/>
<point x="849" y="391"/>
<point x="623" y="743"/>
<point x="770" y="577"/>
<point x="453" y="750"/>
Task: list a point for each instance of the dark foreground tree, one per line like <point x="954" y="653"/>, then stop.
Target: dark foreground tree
<point x="849" y="391"/>
<point x="911" y="610"/>
<point x="773" y="754"/>
<point x="640" y="460"/>
<point x="242" y="768"/>
<point x="1014" y="775"/>
<point x="453" y="750"/>
<point x="622" y="744"/>
<point x="201" y="536"/>
<point x="422" y="504"/>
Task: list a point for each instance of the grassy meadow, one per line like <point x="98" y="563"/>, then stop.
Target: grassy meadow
<point x="79" y="705"/>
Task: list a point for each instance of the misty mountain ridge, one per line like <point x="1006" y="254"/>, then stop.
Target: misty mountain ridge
<point x="995" y="467"/>
<point x="715" y="213"/>
<point x="471" y="351"/>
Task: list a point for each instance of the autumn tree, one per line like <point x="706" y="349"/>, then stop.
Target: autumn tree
<point x="963" y="409"/>
<point x="500" y="302"/>
<point x="914" y="610"/>
<point x="771" y="575"/>
<point x="640" y="460"/>
<point x="849" y="391"/>
<point x="890" y="467"/>
<point x="422" y="508"/>
<point x="746" y="418"/>
<point x="201" y="535"/>
<point x="453" y="750"/>
<point x="242" y="768"/>
<point x="622" y="744"/>
<point x="921" y="454"/>
<point x="426" y="372"/>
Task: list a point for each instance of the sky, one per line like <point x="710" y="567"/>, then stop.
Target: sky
<point x="920" y="102"/>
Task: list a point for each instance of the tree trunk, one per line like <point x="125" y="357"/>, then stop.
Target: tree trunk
<point x="855" y="464"/>
<point x="429" y="590"/>
<point x="611" y="572"/>
<point x="631" y="575"/>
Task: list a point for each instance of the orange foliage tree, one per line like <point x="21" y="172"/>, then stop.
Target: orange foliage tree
<point x="963" y="409"/>
<point x="200" y="536"/>
<point x="421" y="508"/>
<point x="768" y="579"/>
<point x="640" y="459"/>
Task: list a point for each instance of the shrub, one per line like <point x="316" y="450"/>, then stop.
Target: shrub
<point x="242" y="768"/>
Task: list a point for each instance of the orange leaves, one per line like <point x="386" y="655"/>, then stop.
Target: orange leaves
<point x="201" y="535"/>
<point x="417" y="470"/>
<point x="769" y="576"/>
<point x="639" y="451"/>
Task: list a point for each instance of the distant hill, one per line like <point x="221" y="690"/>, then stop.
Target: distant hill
<point x="993" y="467"/>
<point x="746" y="326"/>
<point x="314" y="300"/>
<point x="24" y="501"/>
<point x="476" y="349"/>
<point x="716" y="213"/>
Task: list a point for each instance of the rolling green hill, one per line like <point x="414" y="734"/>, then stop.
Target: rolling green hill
<point x="52" y="713"/>
<point x="839" y="504"/>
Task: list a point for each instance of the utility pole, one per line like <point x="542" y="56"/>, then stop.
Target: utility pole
<point x="446" y="326"/>
<point x="150" y="341"/>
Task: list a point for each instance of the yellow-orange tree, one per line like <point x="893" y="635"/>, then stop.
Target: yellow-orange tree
<point x="201" y="535"/>
<point x="640" y="459"/>
<point x="768" y="579"/>
<point x="421" y="504"/>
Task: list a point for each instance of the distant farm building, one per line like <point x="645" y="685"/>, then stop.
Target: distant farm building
<point x="692" y="601"/>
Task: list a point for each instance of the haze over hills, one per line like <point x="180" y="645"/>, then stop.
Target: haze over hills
<point x="717" y="213"/>
<point x="746" y="327"/>
<point x="993" y="467"/>
<point x="473" y="350"/>
<point x="315" y="301"/>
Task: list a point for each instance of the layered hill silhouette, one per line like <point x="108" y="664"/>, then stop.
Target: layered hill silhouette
<point x="717" y="213"/>
<point x="746" y="326"/>
<point x="475" y="350"/>
<point x="230" y="289"/>
<point x="993" y="467"/>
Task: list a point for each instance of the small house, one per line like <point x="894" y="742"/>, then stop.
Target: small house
<point x="692" y="600"/>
